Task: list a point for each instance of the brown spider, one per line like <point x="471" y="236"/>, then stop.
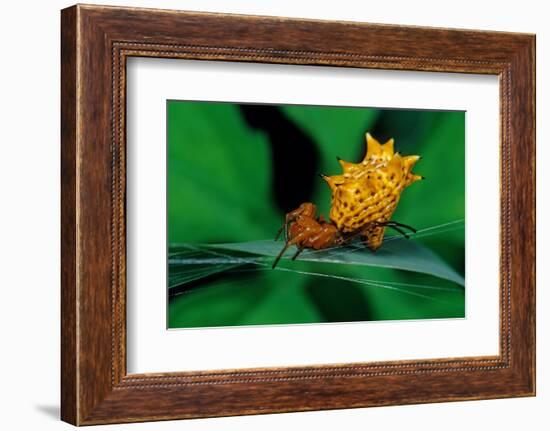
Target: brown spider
<point x="304" y="229"/>
<point x="364" y="198"/>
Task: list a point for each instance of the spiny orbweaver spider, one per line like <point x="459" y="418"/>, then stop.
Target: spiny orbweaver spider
<point x="364" y="197"/>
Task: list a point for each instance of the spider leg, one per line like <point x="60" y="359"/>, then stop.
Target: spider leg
<point x="293" y="241"/>
<point x="288" y="220"/>
<point x="401" y="231"/>
<point x="297" y="253"/>
<point x="412" y="229"/>
<point x="283" y="227"/>
<point x="352" y="236"/>
<point x="278" y="258"/>
<point x="287" y="226"/>
<point x="395" y="226"/>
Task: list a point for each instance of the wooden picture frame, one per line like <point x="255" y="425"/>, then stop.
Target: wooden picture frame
<point x="95" y="43"/>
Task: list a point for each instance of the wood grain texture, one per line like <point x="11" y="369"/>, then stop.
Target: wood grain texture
<point x="96" y="41"/>
<point x="69" y="371"/>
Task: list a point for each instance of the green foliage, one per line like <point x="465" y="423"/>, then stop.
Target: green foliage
<point x="397" y="254"/>
<point x="217" y="170"/>
<point x="220" y="201"/>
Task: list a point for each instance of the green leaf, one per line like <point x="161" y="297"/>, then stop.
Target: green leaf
<point x="219" y="175"/>
<point x="440" y="198"/>
<point x="234" y="301"/>
<point x="209" y="306"/>
<point x="396" y="254"/>
<point x="286" y="301"/>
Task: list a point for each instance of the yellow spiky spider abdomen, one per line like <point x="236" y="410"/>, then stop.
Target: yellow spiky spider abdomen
<point x="367" y="193"/>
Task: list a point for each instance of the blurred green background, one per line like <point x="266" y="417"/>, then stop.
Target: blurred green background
<point x="235" y="170"/>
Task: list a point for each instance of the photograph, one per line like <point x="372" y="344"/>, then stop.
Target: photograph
<point x="302" y="214"/>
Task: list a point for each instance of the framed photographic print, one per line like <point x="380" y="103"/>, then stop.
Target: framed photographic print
<point x="266" y="215"/>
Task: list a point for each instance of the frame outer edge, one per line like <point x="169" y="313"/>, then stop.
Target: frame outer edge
<point x="69" y="202"/>
<point x="88" y="397"/>
<point x="533" y="54"/>
<point x="532" y="63"/>
<point x="530" y="80"/>
<point x="523" y="216"/>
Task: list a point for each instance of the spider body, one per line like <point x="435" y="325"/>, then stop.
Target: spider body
<point x="364" y="198"/>
<point x="304" y="229"/>
<point x="366" y="194"/>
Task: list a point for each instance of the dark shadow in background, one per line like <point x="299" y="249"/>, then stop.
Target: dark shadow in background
<point x="405" y="126"/>
<point x="294" y="155"/>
